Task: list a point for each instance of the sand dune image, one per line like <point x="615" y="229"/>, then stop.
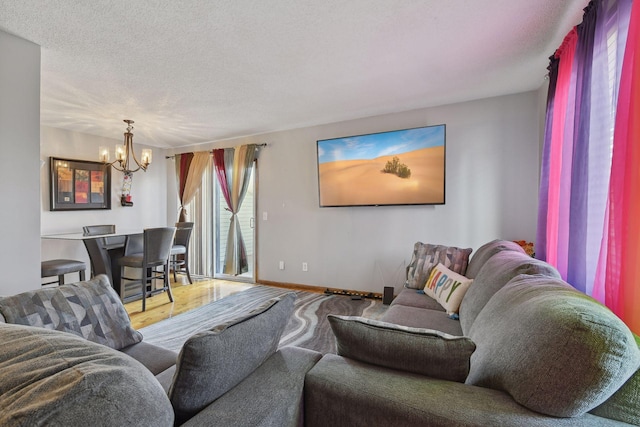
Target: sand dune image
<point x="361" y="182"/>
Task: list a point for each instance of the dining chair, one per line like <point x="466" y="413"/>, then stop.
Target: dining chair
<point x="109" y="242"/>
<point x="96" y="247"/>
<point x="60" y="267"/>
<point x="156" y="249"/>
<point x="180" y="250"/>
<point x="94" y="230"/>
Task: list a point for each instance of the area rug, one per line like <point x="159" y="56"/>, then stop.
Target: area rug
<point x="308" y="327"/>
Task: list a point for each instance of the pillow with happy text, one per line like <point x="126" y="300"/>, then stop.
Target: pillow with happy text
<point x="447" y="287"/>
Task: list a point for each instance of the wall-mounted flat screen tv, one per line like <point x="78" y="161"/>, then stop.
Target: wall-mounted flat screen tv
<point x="401" y="167"/>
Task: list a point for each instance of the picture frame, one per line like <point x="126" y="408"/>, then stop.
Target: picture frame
<point x="79" y="185"/>
<point x="391" y="168"/>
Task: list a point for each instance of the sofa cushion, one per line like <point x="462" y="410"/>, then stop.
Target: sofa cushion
<point x="447" y="287"/>
<point x="54" y="378"/>
<point x="341" y="392"/>
<point x="486" y="251"/>
<point x="280" y="379"/>
<point x="426" y="256"/>
<point x="154" y="358"/>
<point x="416" y="298"/>
<point x="494" y="274"/>
<point x="214" y="361"/>
<point x="421" y="351"/>
<point x="552" y="348"/>
<point x="89" y="309"/>
<point x="624" y="405"/>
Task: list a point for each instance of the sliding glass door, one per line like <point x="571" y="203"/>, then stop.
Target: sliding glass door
<point x="246" y="217"/>
<point x="209" y="212"/>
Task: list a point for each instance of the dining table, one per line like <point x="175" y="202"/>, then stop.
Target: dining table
<point x="104" y="251"/>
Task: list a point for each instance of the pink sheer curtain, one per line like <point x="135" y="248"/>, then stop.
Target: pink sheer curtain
<point x="622" y="260"/>
<point x="589" y="210"/>
<point x="565" y="54"/>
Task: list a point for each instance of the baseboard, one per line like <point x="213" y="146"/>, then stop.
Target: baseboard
<point x="320" y="289"/>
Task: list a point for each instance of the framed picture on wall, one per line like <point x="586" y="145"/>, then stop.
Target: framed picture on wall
<point x="79" y="185"/>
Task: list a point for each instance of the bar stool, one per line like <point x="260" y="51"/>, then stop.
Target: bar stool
<point x="60" y="267"/>
<point x="156" y="249"/>
<point x="180" y="250"/>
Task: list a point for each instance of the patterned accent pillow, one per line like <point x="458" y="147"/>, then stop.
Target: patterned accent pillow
<point x="426" y="256"/>
<point x="416" y="350"/>
<point x="447" y="287"/>
<point x="89" y="309"/>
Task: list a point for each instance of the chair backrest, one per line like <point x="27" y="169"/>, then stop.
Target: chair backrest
<point x="95" y="230"/>
<point x="157" y="245"/>
<point x="183" y="233"/>
<point x="134" y="244"/>
<point x="111" y="242"/>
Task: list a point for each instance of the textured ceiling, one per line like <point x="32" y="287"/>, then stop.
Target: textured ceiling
<point x="195" y="71"/>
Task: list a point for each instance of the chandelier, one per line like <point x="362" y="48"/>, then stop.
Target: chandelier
<point x="124" y="152"/>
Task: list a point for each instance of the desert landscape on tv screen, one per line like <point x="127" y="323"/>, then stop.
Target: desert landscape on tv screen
<point x="405" y="167"/>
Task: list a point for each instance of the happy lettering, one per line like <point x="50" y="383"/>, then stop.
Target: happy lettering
<point x="440" y="283"/>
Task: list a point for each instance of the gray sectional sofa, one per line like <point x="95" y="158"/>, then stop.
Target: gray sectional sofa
<point x="83" y="364"/>
<point x="527" y="350"/>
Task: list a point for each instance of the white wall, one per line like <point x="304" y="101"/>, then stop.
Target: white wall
<point x="492" y="178"/>
<point x="19" y="141"/>
<point x="148" y="192"/>
<point x="491" y="192"/>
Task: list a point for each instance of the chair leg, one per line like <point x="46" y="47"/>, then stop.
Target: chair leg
<point x="121" y="284"/>
<point x="167" y="285"/>
<point x="144" y="288"/>
<point x="61" y="279"/>
<point x="186" y="267"/>
<point x="174" y="265"/>
<point x="82" y="276"/>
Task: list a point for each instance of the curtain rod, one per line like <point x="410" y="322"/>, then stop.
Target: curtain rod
<point x="264" y="144"/>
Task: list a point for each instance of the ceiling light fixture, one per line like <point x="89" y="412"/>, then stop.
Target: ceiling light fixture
<point x="124" y="151"/>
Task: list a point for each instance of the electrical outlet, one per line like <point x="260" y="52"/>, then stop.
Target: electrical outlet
<point x="305" y="266"/>
<point x="281" y="266"/>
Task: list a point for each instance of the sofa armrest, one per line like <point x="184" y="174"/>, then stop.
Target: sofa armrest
<point x="344" y="392"/>
<point x="271" y="396"/>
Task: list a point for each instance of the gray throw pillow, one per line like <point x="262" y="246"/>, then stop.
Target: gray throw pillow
<point x="214" y="361"/>
<point x="57" y="379"/>
<point x="421" y="351"/>
<point x="426" y="256"/>
<point x="552" y="348"/>
<point x="90" y="309"/>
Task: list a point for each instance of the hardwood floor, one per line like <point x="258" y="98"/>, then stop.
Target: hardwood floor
<point x="185" y="297"/>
